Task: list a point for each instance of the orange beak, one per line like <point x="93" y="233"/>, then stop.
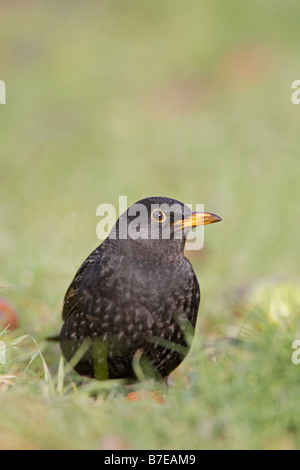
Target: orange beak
<point x="196" y="219"/>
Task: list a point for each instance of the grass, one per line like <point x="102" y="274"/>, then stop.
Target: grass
<point x="145" y="98"/>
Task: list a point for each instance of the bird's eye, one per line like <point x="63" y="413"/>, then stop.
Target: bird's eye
<point x="158" y="215"/>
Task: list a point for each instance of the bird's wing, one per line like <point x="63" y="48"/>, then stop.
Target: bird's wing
<point x="72" y="300"/>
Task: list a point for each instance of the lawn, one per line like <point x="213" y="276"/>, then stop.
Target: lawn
<point x="190" y="100"/>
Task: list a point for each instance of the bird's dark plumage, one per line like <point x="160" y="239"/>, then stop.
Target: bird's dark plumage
<point x="136" y="296"/>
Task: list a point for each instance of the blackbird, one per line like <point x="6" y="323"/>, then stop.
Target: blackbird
<point x="133" y="304"/>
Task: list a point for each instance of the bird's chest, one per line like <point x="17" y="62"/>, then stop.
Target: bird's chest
<point x="147" y="296"/>
<point x="150" y="282"/>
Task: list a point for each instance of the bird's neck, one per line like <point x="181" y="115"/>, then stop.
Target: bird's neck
<point x="167" y="251"/>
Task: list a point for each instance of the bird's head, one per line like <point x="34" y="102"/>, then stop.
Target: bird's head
<point x="158" y="221"/>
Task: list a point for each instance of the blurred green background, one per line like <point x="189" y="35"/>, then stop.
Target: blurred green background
<point x="190" y="100"/>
